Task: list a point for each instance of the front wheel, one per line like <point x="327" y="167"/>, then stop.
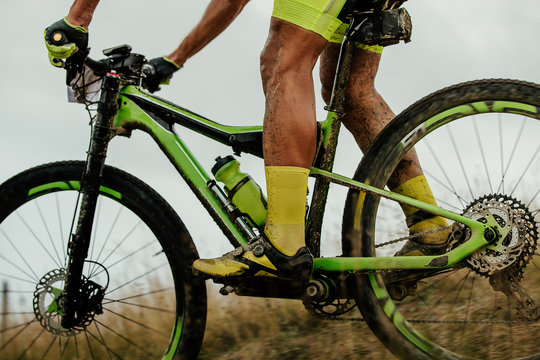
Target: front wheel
<point x="478" y="145"/>
<point x="140" y="253"/>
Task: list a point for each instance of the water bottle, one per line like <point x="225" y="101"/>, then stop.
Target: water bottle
<point x="242" y="190"/>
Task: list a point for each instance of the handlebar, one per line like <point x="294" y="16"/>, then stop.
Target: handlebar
<point x="119" y="60"/>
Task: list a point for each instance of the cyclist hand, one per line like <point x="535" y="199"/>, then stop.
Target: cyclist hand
<point x="63" y="40"/>
<point x="161" y="73"/>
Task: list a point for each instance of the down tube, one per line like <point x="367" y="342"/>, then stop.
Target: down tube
<point x="130" y="116"/>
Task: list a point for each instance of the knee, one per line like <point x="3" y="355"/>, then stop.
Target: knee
<point x="278" y="65"/>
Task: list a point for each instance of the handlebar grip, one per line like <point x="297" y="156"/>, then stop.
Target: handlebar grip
<point x="148" y="69"/>
<point x="58" y="38"/>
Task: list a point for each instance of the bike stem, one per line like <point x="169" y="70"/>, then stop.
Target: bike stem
<point x="90" y="183"/>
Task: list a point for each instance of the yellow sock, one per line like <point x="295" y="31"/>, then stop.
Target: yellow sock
<point x="418" y="221"/>
<point x="286" y="192"/>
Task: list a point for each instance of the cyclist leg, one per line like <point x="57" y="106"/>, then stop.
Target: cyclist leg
<point x="298" y="33"/>
<point x="368" y="114"/>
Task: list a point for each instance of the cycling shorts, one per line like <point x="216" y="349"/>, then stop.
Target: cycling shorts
<point x="320" y="16"/>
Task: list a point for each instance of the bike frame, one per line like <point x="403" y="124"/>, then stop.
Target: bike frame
<point x="140" y="110"/>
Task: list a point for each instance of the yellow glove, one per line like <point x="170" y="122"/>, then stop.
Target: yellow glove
<point x="63" y="40"/>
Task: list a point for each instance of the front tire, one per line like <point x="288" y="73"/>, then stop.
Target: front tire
<point x="140" y="250"/>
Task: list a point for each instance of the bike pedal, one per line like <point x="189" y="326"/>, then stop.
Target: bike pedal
<point x="226" y="290"/>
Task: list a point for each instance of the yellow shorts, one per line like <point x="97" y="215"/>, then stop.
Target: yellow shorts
<point x="319" y="16"/>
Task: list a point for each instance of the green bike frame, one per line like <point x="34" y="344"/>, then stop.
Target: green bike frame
<point x="140" y="110"/>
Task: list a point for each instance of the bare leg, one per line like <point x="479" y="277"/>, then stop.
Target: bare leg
<point x="367" y="112"/>
<point x="289" y="138"/>
<point x="287" y="63"/>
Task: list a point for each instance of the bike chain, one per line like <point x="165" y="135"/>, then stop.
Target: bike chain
<point x="411" y="237"/>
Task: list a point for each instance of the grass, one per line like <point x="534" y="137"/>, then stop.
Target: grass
<point x="253" y="328"/>
<point x="247" y="328"/>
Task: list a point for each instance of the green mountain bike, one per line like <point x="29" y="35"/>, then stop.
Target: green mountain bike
<point x="98" y="265"/>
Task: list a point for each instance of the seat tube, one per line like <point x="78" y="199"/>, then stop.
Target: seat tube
<point x="336" y="112"/>
<point x="90" y="183"/>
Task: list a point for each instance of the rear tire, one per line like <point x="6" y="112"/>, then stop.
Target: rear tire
<point x="458" y="314"/>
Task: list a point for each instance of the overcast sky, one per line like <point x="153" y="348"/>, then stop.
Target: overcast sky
<point x="453" y="41"/>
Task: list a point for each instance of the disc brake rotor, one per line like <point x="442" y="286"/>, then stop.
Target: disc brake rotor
<point x="47" y="307"/>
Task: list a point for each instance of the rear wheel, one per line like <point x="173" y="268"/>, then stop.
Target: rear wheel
<point x="478" y="144"/>
<point x="140" y="252"/>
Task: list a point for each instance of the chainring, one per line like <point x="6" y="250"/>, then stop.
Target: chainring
<point x="333" y="305"/>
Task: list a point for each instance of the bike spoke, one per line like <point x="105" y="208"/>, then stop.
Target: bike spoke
<point x="22" y="326"/>
<point x="51" y="343"/>
<point x="448" y="205"/>
<point x="112" y="227"/>
<point x="137" y="278"/>
<point x="448" y="184"/>
<point x="46" y="227"/>
<point x="62" y="350"/>
<point x="61" y="228"/>
<point x="34" y="276"/>
<point x="460" y="161"/>
<point x="532" y="200"/>
<point x="101" y="340"/>
<point x="124" y="338"/>
<point x="89" y="345"/>
<point x="467" y="309"/>
<point x="140" y="295"/>
<point x="110" y="266"/>
<point x="501" y="155"/>
<point x="527" y="168"/>
<point x="140" y="306"/>
<point x="76" y="346"/>
<point x="113" y="251"/>
<point x="514" y="148"/>
<point x="140" y="324"/>
<point x="481" y="148"/>
<point x="34" y="235"/>
<point x="31" y="344"/>
<point x="31" y="282"/>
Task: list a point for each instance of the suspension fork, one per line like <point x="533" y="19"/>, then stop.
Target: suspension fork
<point x="80" y="239"/>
